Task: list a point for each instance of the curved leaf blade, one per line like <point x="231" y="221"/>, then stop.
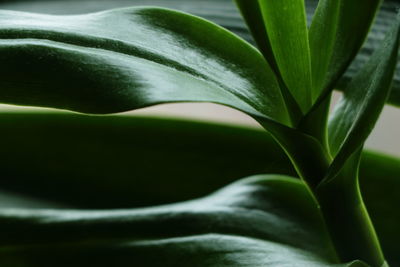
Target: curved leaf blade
<point x="337" y="32"/>
<point x="286" y="25"/>
<point x="211" y="231"/>
<point x="121" y="147"/>
<point x="364" y="98"/>
<point x="356" y="114"/>
<point x="225" y="14"/>
<point x="40" y="153"/>
<point x="251" y="12"/>
<point x="130" y="58"/>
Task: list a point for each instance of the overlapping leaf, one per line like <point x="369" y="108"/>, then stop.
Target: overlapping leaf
<point x="131" y="58"/>
<point x="356" y="114"/>
<point x="338" y="30"/>
<point x="286" y="25"/>
<point x="273" y="23"/>
<point x="251" y="222"/>
<point x="251" y="13"/>
<point x="87" y="63"/>
<point x="223" y="13"/>
<point x="118" y="145"/>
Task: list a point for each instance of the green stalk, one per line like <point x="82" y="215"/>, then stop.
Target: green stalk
<point x="339" y="200"/>
<point x="315" y="122"/>
<point x="346" y="217"/>
<point x="349" y="225"/>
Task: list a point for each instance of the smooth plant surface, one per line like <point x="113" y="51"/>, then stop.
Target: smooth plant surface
<point x="210" y="145"/>
<point x="123" y="236"/>
<point x="129" y="58"/>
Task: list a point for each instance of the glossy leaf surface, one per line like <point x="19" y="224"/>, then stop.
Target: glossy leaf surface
<point x="119" y="147"/>
<point x="250" y="108"/>
<point x="356" y="114"/>
<point x="224" y="13"/>
<point x="72" y="62"/>
<point x="333" y="22"/>
<point x="251" y="222"/>
<point x="136" y="57"/>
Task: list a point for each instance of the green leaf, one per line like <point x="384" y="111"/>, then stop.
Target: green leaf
<point x="249" y="223"/>
<point x="251" y="12"/>
<point x="356" y="114"/>
<point x="223" y="13"/>
<point x="346" y="216"/>
<point x="12" y="199"/>
<point x="337" y="31"/>
<point x="148" y="139"/>
<point x="122" y="147"/>
<point x="80" y="153"/>
<point x="131" y="58"/>
<point x="286" y="26"/>
<point x="273" y="23"/>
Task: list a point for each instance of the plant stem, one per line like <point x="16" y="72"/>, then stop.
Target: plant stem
<point x="349" y="225"/>
<point x="339" y="199"/>
<point x="315" y="122"/>
<point x="346" y="217"/>
<point x="340" y="202"/>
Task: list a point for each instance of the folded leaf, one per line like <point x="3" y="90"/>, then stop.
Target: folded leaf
<point x="249" y="223"/>
<point x="131" y="58"/>
<point x="337" y="31"/>
<point x="356" y="114"/>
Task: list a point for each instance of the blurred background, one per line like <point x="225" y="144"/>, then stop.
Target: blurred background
<point x="385" y="137"/>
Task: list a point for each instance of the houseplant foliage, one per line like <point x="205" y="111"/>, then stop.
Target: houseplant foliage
<point x="129" y="58"/>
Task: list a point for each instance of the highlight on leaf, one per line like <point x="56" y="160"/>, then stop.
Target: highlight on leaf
<point x="130" y="58"/>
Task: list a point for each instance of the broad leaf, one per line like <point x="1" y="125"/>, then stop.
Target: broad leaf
<point x="222" y="12"/>
<point x="90" y="156"/>
<point x="121" y="147"/>
<point x="131" y="58"/>
<point x="338" y="30"/>
<point x="224" y="155"/>
<point x="364" y="98"/>
<point x="249" y="223"/>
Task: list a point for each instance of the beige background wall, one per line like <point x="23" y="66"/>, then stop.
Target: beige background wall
<point x="385" y="137"/>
